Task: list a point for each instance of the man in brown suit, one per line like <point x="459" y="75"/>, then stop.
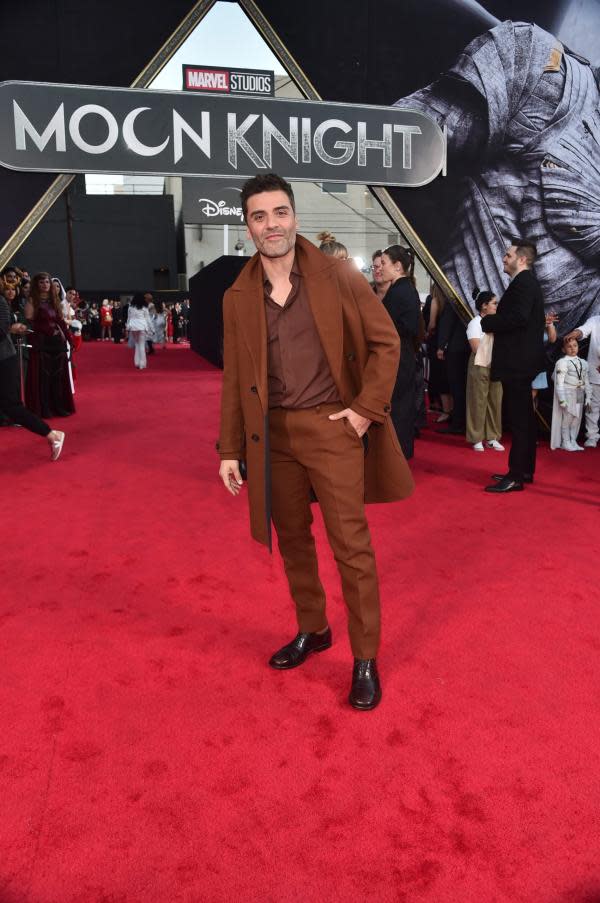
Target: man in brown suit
<point x="310" y="361"/>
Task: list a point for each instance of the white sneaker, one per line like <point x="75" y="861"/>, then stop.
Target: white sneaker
<point x="493" y="443"/>
<point x="591" y="443"/>
<point x="478" y="446"/>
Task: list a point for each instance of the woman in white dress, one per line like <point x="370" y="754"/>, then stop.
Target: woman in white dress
<point x="159" y="323"/>
<point x="139" y="327"/>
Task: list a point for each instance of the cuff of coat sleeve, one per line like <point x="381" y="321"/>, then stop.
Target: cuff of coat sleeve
<point x="375" y="416"/>
<point x="226" y="455"/>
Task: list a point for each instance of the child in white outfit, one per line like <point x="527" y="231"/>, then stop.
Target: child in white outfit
<point x="571" y="390"/>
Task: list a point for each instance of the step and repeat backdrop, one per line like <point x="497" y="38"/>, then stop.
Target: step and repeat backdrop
<point x="517" y="101"/>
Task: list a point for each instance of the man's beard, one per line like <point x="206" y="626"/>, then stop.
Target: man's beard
<point x="277" y="248"/>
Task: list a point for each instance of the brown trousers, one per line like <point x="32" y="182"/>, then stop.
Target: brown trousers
<point x="484" y="404"/>
<point x="307" y="449"/>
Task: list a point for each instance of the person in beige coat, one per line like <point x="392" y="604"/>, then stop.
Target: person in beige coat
<point x="310" y="362"/>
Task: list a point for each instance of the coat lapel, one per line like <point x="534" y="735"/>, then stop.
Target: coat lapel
<point x="250" y="310"/>
<point x="325" y="302"/>
<point x="326" y="307"/>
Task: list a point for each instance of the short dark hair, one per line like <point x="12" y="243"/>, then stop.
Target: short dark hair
<point x="376" y="254"/>
<point x="270" y="181"/>
<point x="481" y="297"/>
<point x="525" y="249"/>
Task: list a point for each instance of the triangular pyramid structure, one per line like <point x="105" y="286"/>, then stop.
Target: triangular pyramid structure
<point x="29" y="196"/>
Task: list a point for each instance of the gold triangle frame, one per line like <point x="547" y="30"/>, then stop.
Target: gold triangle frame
<point x="157" y="63"/>
<point x="62" y="182"/>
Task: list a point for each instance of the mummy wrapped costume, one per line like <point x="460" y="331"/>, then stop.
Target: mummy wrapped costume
<point x="522" y="119"/>
<point x="572" y="391"/>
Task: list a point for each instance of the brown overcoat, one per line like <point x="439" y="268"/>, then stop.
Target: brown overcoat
<point x="363" y="349"/>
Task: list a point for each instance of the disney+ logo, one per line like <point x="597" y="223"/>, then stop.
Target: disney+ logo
<point x="218" y="208"/>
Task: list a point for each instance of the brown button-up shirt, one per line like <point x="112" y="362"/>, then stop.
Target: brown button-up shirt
<point x="297" y="369"/>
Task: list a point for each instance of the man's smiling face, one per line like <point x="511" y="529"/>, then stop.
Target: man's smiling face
<point x="271" y="223"/>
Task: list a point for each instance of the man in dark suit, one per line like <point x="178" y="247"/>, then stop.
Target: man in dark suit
<point x="518" y="329"/>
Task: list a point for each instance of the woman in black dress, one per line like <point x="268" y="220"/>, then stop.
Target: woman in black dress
<point x="177" y="322"/>
<point x="48" y="386"/>
<point x="94" y="321"/>
<point x="117" y="324"/>
<point x="438" y="388"/>
<point x="404" y="307"/>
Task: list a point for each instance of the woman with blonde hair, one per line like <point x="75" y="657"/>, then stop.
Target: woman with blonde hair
<point x="331" y="247"/>
<point x="106" y="320"/>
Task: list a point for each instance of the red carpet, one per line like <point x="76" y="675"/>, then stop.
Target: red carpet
<point x="149" y="755"/>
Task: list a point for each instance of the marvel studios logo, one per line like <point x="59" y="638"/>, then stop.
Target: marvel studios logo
<point x="215" y="80"/>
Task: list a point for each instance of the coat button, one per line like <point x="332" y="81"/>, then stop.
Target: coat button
<point x="254" y="437"/>
<point x="351" y="356"/>
<point x="253" y="389"/>
<point x="387" y="408"/>
<point x="217" y="446"/>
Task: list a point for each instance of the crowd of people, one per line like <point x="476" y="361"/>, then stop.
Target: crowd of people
<point x="106" y="321"/>
<point x="450" y="364"/>
<point x="43" y="325"/>
<point x="442" y="361"/>
<point x="456" y="365"/>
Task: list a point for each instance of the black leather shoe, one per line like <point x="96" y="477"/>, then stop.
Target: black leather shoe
<point x="527" y="477"/>
<point x="366" y="689"/>
<point x="299" y="649"/>
<point x="506" y="484"/>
